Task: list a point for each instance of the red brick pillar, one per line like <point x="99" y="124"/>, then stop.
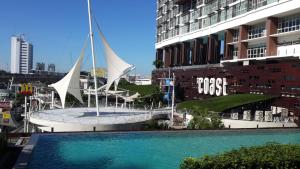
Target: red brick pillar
<point x="167" y="58"/>
<point x="159" y="54"/>
<point x="198" y="51"/>
<point x="194" y="52"/>
<point x="212" y="48"/>
<point x="271" y="42"/>
<point x="171" y="52"/>
<point x="243" y="46"/>
<point x="175" y="55"/>
<point x="184" y="55"/>
<point x="228" y="47"/>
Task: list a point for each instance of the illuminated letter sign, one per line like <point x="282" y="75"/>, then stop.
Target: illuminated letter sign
<point x="219" y="87"/>
<point x="206" y="85"/>
<point x="212" y="86"/>
<point x="224" y="86"/>
<point x="200" y="86"/>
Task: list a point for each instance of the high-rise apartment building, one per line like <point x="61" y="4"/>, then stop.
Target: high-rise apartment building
<point x="21" y="55"/>
<point x="253" y="44"/>
<point x="40" y="66"/>
<point x="51" y="67"/>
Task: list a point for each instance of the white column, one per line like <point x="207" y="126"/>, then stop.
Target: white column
<point x="89" y="97"/>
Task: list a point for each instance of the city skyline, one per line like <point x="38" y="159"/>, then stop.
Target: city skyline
<point x="59" y="36"/>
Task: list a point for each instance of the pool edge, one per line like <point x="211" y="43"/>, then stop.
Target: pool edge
<point x="24" y="157"/>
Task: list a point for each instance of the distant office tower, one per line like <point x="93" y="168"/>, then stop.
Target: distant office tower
<point x="51" y="68"/>
<point x="40" y="66"/>
<point x="21" y="55"/>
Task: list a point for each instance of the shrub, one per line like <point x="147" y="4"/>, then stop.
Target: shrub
<point x="269" y="156"/>
<point x="202" y="119"/>
<point x="153" y="125"/>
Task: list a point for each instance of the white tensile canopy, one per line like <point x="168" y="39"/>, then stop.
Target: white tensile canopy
<point x="116" y="67"/>
<point x="70" y="83"/>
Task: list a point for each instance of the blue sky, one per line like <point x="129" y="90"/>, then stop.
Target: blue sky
<point x="58" y="29"/>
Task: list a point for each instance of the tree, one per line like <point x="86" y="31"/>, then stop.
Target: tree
<point x="158" y="64"/>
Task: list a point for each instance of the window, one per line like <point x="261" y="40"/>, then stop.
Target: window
<point x="229" y="13"/>
<point x="222" y="15"/>
<point x="199" y="2"/>
<point x="185" y="18"/>
<point x="193" y="15"/>
<point x="288" y="24"/>
<point x="205" y="22"/>
<point x="213" y="19"/>
<point x="194" y="25"/>
<point x="236" y="35"/>
<point x="206" y="10"/>
<point x="199" y="12"/>
<point x="261" y="3"/>
<point x="214" y="6"/>
<point x="256" y="52"/>
<point x="222" y="3"/>
<point x="235" y="53"/>
<point x="256" y="31"/>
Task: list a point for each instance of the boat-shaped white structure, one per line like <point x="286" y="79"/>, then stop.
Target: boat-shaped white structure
<point x="85" y="119"/>
<point x="94" y="118"/>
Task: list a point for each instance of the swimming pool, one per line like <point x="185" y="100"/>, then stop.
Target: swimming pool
<point x="143" y="150"/>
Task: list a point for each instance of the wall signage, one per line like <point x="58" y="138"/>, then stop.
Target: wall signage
<point x="212" y="86"/>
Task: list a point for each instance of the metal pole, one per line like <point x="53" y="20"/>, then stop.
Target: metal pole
<point x="93" y="56"/>
<point x="173" y="98"/>
<point x="25" y="114"/>
<point x="169" y="88"/>
<point x="116" y="100"/>
<point x="28" y="114"/>
<point x="52" y="99"/>
<point x="106" y="99"/>
<point x="89" y="97"/>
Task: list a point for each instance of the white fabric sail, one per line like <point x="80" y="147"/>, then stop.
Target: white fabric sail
<point x="116" y="67"/>
<point x="70" y="83"/>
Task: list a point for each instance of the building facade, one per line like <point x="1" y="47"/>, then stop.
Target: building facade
<point x="40" y="66"/>
<point x="253" y="44"/>
<point x="21" y="55"/>
<point x="51" y="67"/>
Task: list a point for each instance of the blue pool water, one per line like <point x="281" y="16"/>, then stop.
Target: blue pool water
<point x="143" y="150"/>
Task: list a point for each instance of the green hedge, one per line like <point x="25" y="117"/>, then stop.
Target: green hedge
<point x="269" y="156"/>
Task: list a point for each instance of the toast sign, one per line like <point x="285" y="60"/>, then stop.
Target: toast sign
<point x="212" y="86"/>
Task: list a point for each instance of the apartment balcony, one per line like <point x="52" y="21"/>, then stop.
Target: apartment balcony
<point x="288" y="50"/>
<point x="288" y="33"/>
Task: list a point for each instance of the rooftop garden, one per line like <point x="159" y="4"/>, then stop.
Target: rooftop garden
<point x="222" y="103"/>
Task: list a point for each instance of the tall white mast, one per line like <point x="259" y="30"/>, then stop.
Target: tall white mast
<point x="93" y="55"/>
